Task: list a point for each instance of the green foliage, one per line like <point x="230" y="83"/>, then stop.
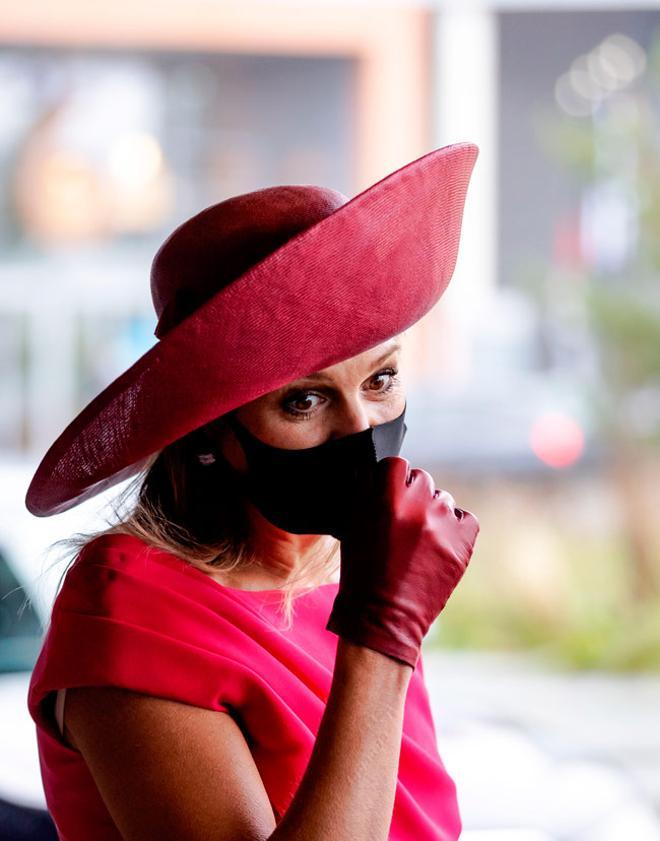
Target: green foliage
<point x="593" y="626"/>
<point x="626" y="322"/>
<point x="599" y="638"/>
<point x="596" y="622"/>
<point x="621" y="145"/>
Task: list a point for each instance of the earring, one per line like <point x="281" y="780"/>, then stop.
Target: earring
<point x="206" y="458"/>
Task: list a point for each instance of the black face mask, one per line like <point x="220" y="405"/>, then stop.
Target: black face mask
<point x="312" y="490"/>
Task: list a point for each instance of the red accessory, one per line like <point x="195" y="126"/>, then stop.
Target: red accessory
<point x="259" y="290"/>
<point x="403" y="553"/>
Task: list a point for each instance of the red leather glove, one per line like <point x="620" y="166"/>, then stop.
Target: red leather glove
<point x="403" y="554"/>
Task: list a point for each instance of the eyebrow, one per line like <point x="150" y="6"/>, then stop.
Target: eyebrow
<point x="319" y="377"/>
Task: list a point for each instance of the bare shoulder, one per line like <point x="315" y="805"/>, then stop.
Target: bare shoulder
<point x="168" y="770"/>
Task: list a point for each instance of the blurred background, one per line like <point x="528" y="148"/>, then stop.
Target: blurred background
<point x="533" y="385"/>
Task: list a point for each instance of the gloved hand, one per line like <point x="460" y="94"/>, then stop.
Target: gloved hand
<point x="405" y="550"/>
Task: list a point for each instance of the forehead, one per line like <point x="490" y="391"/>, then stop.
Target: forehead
<point x="365" y="360"/>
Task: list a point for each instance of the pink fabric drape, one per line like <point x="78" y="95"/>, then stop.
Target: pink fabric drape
<point x="151" y="622"/>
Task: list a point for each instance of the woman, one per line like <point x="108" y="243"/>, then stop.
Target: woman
<point x="263" y="430"/>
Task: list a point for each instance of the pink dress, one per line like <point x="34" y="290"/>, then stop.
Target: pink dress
<point x="147" y="620"/>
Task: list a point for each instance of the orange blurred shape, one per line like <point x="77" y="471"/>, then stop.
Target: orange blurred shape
<point x="557" y="439"/>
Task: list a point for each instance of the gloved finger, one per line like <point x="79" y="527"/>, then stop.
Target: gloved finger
<point x="422" y="480"/>
<point x="447" y="499"/>
<point x="471" y="524"/>
<point x="393" y="471"/>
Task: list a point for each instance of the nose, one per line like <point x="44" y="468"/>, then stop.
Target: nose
<point x="355" y="417"/>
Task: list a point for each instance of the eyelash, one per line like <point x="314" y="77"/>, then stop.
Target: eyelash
<point x="306" y="415"/>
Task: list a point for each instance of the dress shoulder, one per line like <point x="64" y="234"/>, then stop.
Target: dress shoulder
<point x="132" y="616"/>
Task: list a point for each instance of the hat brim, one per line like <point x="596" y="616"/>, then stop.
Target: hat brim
<point x="356" y="278"/>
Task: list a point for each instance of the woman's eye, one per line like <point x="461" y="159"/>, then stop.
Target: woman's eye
<point x="300" y="404"/>
<point x="390" y="374"/>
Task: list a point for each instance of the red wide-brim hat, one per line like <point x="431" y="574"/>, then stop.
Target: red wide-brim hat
<point x="259" y="290"/>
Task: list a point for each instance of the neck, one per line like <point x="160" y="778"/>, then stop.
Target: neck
<point x="282" y="554"/>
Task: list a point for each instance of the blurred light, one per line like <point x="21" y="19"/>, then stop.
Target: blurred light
<point x="142" y="189"/>
<point x="59" y="196"/>
<point x="569" y="100"/>
<point x="67" y="180"/>
<point x="135" y="158"/>
<point x="610" y="66"/>
<point x="556" y="439"/>
<point x="621" y="57"/>
<point x="608" y="225"/>
<point x="582" y="80"/>
<point x="601" y="71"/>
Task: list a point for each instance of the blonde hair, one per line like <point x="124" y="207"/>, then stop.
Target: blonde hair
<point x="195" y="511"/>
